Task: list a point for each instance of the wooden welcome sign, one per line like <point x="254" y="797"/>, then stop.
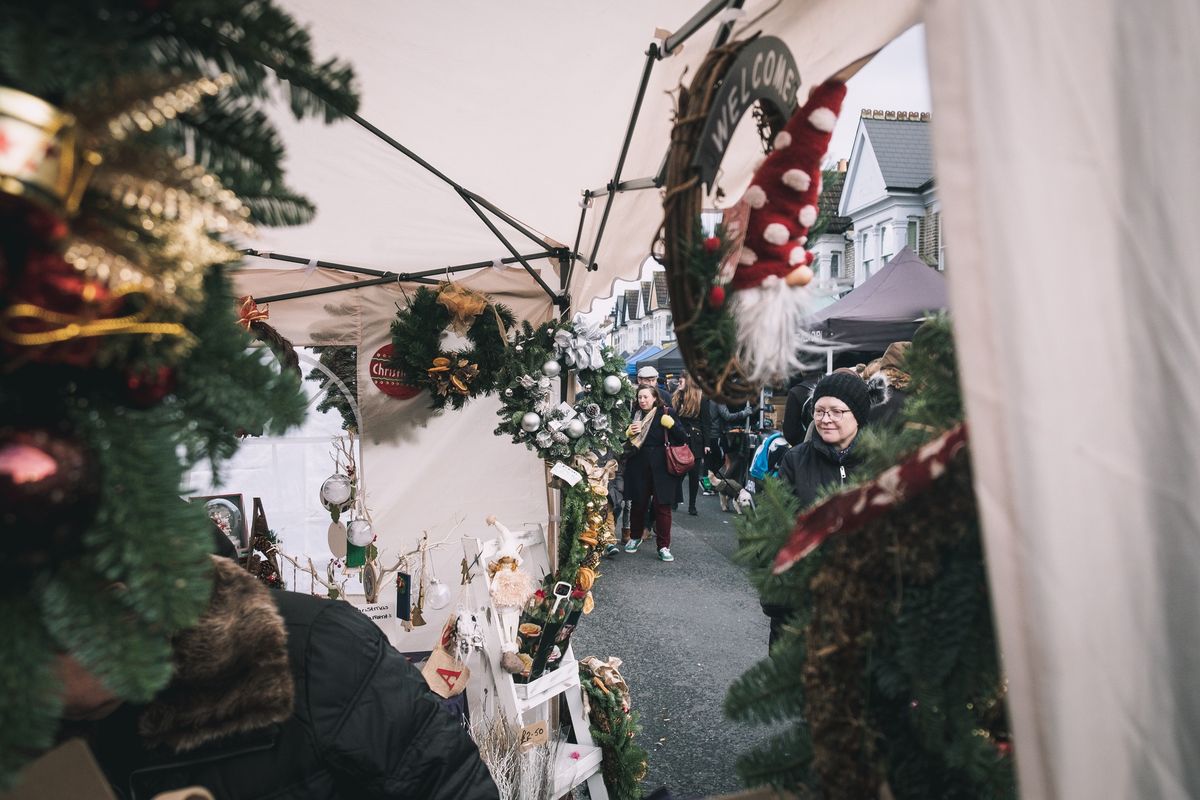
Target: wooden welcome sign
<point x="765" y="72"/>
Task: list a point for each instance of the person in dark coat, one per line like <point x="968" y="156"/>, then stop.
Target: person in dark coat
<point x="714" y="458"/>
<point x="691" y="411"/>
<point x="279" y="695"/>
<point x="841" y="408"/>
<point x="735" y="427"/>
<point x="647" y="481"/>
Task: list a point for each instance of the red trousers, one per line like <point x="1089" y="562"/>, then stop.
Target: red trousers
<point x="662" y="520"/>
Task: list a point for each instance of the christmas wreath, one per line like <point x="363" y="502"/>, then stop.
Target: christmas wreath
<point x="452" y="377"/>
<point x="561" y="431"/>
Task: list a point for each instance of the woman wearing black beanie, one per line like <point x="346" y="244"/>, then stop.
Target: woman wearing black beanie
<point x="841" y="405"/>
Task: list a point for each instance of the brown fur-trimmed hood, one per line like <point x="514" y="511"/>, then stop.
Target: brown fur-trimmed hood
<point x="231" y="670"/>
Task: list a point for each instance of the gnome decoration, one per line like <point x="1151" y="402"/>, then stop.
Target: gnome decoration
<point x="768" y="299"/>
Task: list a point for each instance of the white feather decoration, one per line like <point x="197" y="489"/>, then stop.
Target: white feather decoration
<point x="770" y="323"/>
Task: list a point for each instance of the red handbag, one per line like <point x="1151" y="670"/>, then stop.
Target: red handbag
<point x="680" y="458"/>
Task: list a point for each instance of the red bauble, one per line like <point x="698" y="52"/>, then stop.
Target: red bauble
<point x="388" y="379"/>
<point x="149" y="387"/>
<point x="49" y="490"/>
<point x="712" y="244"/>
<point x="716" y="296"/>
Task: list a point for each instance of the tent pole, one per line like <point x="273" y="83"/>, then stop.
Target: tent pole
<point x="555" y="298"/>
<point x="382" y="278"/>
<point x="341" y="287"/>
<point x="584" y="205"/>
<point x="516" y="224"/>
<point x="672" y="42"/>
<point x="378" y="273"/>
<point x="652" y="55"/>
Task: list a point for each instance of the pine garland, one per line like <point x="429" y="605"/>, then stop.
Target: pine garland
<point x="892" y="635"/>
<point x="416" y="350"/>
<point x="525" y="389"/>
<point x="614" y="729"/>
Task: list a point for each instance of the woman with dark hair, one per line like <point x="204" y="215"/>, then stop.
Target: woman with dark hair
<point x="692" y="411"/>
<point x="647" y="480"/>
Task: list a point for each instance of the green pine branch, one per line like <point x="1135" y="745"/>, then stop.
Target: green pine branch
<point x="768" y="691"/>
<point x="783" y="761"/>
<point x="29" y="686"/>
<point x="91" y="619"/>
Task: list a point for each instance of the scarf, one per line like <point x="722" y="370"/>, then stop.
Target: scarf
<point x="639" y="439"/>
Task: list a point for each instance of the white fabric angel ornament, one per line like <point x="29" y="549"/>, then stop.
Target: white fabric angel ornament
<point x="510" y="589"/>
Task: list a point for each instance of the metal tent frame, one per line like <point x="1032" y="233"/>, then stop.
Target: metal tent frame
<point x="567" y="257"/>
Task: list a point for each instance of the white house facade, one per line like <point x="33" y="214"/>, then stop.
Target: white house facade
<point x="641" y="316"/>
<point x="888" y="194"/>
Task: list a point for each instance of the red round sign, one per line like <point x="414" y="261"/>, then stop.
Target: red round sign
<point x="387" y="378"/>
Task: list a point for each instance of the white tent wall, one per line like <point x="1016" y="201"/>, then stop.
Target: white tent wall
<point x="1065" y="146"/>
<point x="422" y="472"/>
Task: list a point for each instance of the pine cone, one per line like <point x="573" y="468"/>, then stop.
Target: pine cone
<point x="591" y="560"/>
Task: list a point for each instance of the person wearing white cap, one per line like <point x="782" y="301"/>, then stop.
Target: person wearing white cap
<point x="648" y="376"/>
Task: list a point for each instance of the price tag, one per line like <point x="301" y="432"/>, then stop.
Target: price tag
<point x="561" y="470"/>
<point x="534" y="735"/>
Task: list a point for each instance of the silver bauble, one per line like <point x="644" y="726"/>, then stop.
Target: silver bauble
<point x="530" y="422"/>
<point x="551" y="369"/>
<point x="336" y="490"/>
<point x="575" y="428"/>
<point x="612" y="384"/>
<point x="360" y="533"/>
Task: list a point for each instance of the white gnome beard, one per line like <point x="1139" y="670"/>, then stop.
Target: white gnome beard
<point x="770" y="330"/>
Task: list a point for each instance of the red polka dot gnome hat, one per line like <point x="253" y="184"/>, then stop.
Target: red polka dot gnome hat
<point x="769" y="301"/>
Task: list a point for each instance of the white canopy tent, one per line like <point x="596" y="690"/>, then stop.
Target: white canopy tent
<point x="1064" y="134"/>
<point x="527" y="109"/>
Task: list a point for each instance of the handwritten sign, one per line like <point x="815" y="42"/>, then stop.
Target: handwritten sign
<point x="534" y="735"/>
<point x="376" y="612"/>
<point x="561" y="470"/>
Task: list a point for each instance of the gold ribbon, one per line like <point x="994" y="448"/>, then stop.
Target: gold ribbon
<point x="70" y="327"/>
<point x="463" y="304"/>
<point x="249" y="312"/>
<point x="607" y="671"/>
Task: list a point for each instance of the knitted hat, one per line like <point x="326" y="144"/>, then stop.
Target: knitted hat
<point x="850" y="389"/>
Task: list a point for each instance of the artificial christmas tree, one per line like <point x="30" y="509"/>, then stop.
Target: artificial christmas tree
<point x="133" y="145"/>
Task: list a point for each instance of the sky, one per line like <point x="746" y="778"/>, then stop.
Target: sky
<point x="897" y="79"/>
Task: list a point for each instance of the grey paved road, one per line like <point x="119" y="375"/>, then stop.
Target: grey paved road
<point x="685" y="631"/>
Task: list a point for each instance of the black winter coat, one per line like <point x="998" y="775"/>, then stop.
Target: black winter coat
<point x="813" y="465"/>
<point x="808" y="468"/>
<point x="797" y="413"/>
<point x="333" y="712"/>
<point x="665" y="487"/>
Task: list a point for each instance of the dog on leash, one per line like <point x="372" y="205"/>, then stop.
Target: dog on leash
<point x="732" y="495"/>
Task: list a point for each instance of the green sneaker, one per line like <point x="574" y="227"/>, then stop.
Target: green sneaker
<point x="632" y="545"/>
<point x="665" y="555"/>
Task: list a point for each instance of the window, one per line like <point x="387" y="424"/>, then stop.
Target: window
<point x="866" y="269"/>
<point x="834" y="266"/>
<point x="914" y="235"/>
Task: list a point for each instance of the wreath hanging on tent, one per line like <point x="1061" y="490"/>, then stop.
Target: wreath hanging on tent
<point x="561" y="431"/>
<point x="451" y="376"/>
